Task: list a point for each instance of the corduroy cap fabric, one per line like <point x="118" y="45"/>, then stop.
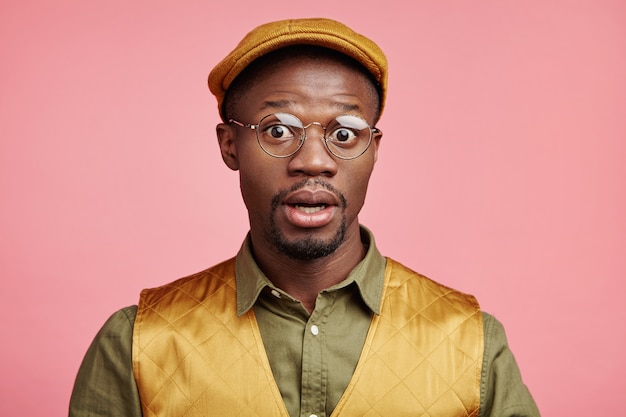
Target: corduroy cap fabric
<point x="323" y="32"/>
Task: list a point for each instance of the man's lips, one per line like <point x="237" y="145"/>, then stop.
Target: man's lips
<point x="310" y="208"/>
<point x="307" y="198"/>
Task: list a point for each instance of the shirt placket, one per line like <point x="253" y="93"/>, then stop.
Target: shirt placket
<point x="314" y="360"/>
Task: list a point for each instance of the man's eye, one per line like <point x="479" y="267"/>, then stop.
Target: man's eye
<point x="278" y="132"/>
<point x="343" y="135"/>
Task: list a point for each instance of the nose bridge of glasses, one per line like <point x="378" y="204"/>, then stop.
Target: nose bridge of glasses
<point x="319" y="124"/>
<point x="307" y="133"/>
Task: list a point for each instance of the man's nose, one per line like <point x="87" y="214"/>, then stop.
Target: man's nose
<point x="313" y="158"/>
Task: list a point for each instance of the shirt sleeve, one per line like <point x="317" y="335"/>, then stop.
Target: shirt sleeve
<point x="502" y="391"/>
<point x="105" y="385"/>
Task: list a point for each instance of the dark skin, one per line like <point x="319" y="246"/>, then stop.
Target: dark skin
<point x="329" y="192"/>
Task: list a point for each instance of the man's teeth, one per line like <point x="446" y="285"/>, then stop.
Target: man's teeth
<point x="310" y="209"/>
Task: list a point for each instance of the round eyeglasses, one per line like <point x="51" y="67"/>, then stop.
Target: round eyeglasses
<point x="282" y="135"/>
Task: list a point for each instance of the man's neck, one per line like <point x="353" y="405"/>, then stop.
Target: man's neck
<point x="305" y="279"/>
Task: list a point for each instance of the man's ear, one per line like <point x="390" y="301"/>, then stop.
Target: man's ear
<point x="226" y="139"/>
<point x="376" y="137"/>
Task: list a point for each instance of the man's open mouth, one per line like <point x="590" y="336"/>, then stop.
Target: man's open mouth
<point x="309" y="209"/>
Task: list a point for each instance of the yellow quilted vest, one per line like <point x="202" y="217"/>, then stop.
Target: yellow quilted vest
<point x="192" y="355"/>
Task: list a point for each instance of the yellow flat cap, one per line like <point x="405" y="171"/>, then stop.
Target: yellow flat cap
<point x="316" y="31"/>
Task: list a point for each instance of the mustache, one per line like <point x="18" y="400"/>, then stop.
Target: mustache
<point x="343" y="203"/>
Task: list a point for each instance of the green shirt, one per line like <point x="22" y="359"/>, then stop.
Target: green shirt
<point x="312" y="356"/>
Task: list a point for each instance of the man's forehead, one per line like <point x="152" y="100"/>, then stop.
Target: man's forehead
<point x="306" y="57"/>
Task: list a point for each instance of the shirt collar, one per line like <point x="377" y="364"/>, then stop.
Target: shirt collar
<point x="368" y="276"/>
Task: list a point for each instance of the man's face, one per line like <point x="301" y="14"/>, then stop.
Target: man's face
<point x="305" y="205"/>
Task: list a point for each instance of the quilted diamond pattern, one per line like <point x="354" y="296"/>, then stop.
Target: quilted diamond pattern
<point x="192" y="355"/>
<point x="423" y="354"/>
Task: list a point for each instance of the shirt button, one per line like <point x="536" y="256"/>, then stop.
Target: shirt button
<point x="315" y="331"/>
<point x="313" y="415"/>
<point x="275" y="293"/>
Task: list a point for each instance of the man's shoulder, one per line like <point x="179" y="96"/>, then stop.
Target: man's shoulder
<point x="400" y="274"/>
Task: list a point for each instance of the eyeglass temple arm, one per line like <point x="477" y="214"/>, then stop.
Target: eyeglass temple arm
<point x="253" y="127"/>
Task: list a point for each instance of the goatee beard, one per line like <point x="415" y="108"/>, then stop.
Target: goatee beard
<point x="307" y="248"/>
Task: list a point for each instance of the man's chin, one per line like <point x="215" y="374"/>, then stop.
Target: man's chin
<point x="309" y="247"/>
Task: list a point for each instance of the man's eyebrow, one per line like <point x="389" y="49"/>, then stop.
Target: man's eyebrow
<point x="280" y="104"/>
<point x="283" y="104"/>
<point x="347" y="107"/>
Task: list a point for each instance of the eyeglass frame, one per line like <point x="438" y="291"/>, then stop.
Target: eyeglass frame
<point x="372" y="129"/>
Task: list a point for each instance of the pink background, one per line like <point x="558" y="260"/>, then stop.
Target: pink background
<point x="502" y="173"/>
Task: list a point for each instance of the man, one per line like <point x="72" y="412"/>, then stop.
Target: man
<point x="309" y="319"/>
